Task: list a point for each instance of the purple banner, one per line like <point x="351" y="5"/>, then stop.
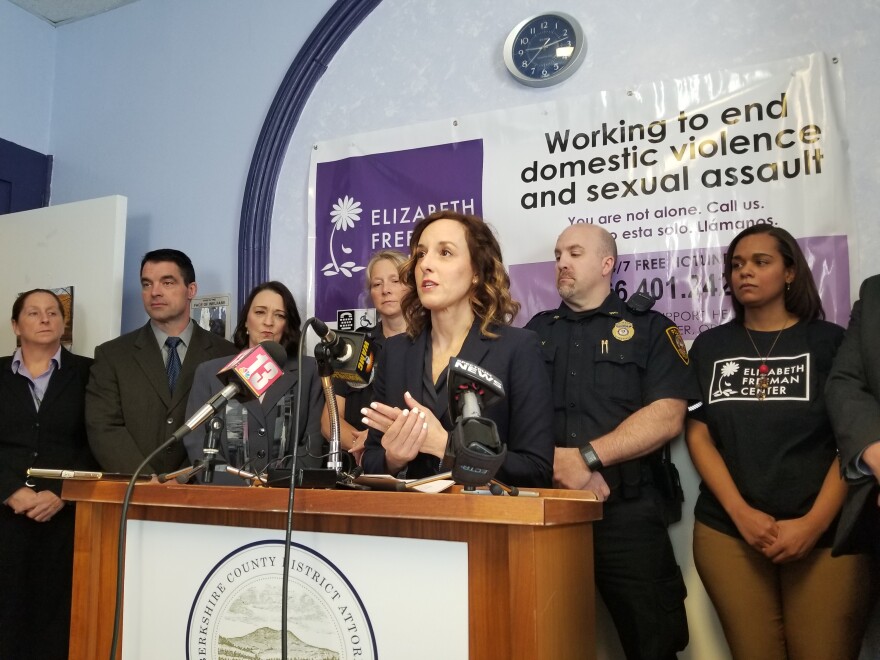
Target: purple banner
<point x="369" y="203"/>
<point x="689" y="284"/>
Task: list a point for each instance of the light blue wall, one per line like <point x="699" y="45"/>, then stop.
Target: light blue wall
<point x="27" y="77"/>
<point x="162" y="101"/>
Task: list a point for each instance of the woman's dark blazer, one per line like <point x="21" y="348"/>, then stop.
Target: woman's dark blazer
<point x="524" y="417"/>
<point x="853" y="398"/>
<point x="53" y="437"/>
<point x="261" y="416"/>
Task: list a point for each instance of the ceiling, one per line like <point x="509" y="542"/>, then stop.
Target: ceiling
<point x="59" y="12"/>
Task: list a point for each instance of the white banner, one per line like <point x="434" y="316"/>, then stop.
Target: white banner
<point x="674" y="169"/>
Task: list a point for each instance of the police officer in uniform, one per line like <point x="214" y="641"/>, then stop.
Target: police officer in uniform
<point x="621" y="385"/>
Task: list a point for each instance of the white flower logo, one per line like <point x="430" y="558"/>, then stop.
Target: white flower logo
<point x="345" y="213"/>
<point x="728" y="369"/>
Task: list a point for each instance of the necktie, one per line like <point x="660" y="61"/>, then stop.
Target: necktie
<point x="173" y="366"/>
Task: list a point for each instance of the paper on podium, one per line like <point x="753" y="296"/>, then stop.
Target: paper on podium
<point x="387" y="482"/>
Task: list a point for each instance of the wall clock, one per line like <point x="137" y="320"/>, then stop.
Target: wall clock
<point x="545" y="49"/>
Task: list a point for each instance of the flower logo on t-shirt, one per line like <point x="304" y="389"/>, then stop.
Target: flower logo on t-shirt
<point x="728" y="369"/>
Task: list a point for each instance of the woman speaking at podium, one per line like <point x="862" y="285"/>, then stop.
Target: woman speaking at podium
<point x="253" y="432"/>
<point x="459" y="305"/>
<point x="42" y="395"/>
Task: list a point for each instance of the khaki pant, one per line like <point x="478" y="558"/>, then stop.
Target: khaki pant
<point x="811" y="609"/>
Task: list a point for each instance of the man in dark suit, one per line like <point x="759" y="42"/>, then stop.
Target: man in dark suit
<point x="853" y="399"/>
<point x="140" y="381"/>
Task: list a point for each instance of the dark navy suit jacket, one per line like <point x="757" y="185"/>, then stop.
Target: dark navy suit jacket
<point x="524" y="417"/>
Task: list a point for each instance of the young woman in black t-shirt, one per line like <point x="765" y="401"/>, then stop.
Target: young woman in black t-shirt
<point x="763" y="445"/>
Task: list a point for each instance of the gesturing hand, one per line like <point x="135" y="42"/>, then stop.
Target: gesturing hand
<point x="406" y="432"/>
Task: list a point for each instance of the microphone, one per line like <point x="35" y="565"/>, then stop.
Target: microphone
<point x="254" y="479"/>
<point x="249" y="374"/>
<point x="474" y="450"/>
<point x="350" y="353"/>
<point x="471" y="388"/>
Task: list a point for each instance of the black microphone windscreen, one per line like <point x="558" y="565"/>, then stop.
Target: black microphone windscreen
<point x="320" y="327"/>
<point x="276" y="352"/>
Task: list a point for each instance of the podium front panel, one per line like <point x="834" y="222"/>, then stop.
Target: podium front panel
<point x="529" y="559"/>
<point x="216" y="591"/>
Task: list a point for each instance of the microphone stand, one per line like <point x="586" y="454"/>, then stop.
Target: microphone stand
<point x="206" y="464"/>
<point x="215" y="426"/>
<point x="325" y="371"/>
<point x="334" y="462"/>
<point x="344" y="479"/>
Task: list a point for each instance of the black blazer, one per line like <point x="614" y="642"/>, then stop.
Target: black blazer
<point x="54" y="437"/>
<point x="129" y="411"/>
<point x="853" y="399"/>
<point x="262" y="416"/>
<point x="524" y="417"/>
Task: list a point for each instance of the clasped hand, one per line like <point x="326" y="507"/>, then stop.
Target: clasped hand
<point x="406" y="433"/>
<point x="780" y="541"/>
<point x="39" y="506"/>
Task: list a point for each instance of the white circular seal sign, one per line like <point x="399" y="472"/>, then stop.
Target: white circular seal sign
<point x="237" y="611"/>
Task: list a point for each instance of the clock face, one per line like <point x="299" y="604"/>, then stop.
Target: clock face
<point x="544" y="49"/>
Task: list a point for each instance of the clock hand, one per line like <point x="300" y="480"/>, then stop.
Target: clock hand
<point x="546" y="45"/>
<point x="557" y="41"/>
<point x="539" y="52"/>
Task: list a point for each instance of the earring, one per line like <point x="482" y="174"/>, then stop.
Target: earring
<point x="787" y="287"/>
<point x="474" y="280"/>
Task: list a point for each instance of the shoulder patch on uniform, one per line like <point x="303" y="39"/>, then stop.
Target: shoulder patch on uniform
<point x="677" y="342"/>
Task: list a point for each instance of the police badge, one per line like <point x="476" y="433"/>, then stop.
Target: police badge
<point x="623" y="331"/>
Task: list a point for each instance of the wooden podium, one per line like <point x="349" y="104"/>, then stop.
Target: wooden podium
<point x="530" y="559"/>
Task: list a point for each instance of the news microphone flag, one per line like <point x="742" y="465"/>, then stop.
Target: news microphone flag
<point x="256" y="368"/>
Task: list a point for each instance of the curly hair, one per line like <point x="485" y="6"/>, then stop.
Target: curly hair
<point x="490" y="297"/>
